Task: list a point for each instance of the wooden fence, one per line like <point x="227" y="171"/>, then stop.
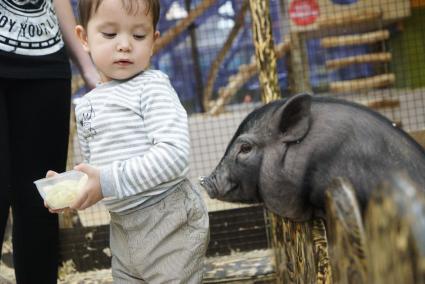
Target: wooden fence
<point x="385" y="245"/>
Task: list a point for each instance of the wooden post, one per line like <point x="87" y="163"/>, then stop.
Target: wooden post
<point x="298" y="68"/>
<point x="264" y="50"/>
<point x="346" y="234"/>
<point x="395" y="229"/>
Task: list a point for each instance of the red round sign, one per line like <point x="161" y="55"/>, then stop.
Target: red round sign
<point x="303" y="12"/>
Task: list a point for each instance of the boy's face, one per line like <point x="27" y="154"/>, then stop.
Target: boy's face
<point x="120" y="44"/>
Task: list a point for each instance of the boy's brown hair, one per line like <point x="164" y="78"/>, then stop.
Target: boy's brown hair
<point x="86" y="9"/>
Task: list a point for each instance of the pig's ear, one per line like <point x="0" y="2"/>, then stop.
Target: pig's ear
<point x="293" y="118"/>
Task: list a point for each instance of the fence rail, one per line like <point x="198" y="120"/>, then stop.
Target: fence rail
<point x="385" y="244"/>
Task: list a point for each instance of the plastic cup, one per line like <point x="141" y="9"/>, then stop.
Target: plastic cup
<point x="60" y="191"/>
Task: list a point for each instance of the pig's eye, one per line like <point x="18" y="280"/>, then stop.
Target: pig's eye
<point x="245" y="148"/>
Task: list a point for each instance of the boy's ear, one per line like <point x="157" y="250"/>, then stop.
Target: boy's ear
<point x="156" y="35"/>
<point x="81" y="34"/>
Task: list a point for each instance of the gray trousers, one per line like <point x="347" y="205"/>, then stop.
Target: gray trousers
<point x="162" y="243"/>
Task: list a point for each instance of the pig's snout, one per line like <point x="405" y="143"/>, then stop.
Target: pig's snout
<point x="209" y="186"/>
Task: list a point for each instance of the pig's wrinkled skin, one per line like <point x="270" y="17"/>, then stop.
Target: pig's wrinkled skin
<point x="286" y="153"/>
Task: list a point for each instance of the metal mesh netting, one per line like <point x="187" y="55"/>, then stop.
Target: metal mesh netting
<point x="368" y="51"/>
<point x="187" y="61"/>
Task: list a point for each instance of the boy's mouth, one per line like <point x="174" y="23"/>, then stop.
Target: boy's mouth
<point x="123" y="62"/>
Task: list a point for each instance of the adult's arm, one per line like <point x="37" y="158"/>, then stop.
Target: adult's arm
<point x="67" y="25"/>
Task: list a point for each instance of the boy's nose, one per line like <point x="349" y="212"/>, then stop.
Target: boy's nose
<point x="124" y="45"/>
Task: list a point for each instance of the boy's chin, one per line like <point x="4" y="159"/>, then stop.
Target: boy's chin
<point x="123" y="76"/>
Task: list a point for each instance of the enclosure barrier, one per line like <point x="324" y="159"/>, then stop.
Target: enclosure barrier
<point x="386" y="245"/>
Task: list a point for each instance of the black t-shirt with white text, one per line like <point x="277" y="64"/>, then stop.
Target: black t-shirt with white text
<point x="31" y="44"/>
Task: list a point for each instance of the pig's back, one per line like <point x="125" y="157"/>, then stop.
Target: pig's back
<point x="372" y="139"/>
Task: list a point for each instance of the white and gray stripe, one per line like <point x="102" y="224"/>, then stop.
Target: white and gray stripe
<point x="137" y="133"/>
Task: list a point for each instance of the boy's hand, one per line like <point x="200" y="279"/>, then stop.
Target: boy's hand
<point x="91" y="193"/>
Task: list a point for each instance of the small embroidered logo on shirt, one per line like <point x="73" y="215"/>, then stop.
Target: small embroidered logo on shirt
<point x="86" y="121"/>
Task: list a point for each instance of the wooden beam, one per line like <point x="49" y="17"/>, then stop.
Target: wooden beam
<point x="264" y="50"/>
<point x="380" y="103"/>
<point x="394" y="230"/>
<point x="373" y="82"/>
<point x="216" y="64"/>
<point x="182" y="25"/>
<point x="357" y="39"/>
<point x="359" y="59"/>
<point x="236" y="81"/>
<point x="345" y="231"/>
<point x="349" y="18"/>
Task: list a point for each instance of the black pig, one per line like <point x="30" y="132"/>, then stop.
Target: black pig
<point x="287" y="152"/>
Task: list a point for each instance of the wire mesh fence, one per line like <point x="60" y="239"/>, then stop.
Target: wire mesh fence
<point x="365" y="51"/>
<point x="368" y="51"/>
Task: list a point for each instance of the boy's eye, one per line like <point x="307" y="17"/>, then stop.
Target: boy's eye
<point x="108" y="35"/>
<point x="139" y="37"/>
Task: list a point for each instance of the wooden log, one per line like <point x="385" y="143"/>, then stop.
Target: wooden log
<point x="245" y="73"/>
<point x="320" y="251"/>
<point x="395" y="229"/>
<point x="345" y="234"/>
<point x="357" y="39"/>
<point x="172" y="33"/>
<point x="264" y="50"/>
<point x="378" y="81"/>
<point x="301" y="251"/>
<point x="380" y="103"/>
<point x="298" y="67"/>
<point x="348" y="18"/>
<point x="358" y="59"/>
<point x="215" y="66"/>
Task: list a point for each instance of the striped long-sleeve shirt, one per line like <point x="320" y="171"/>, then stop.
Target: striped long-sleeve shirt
<point x="136" y="132"/>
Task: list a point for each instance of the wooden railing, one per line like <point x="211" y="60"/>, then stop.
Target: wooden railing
<point x="385" y="244"/>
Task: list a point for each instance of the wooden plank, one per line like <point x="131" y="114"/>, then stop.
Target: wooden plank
<point x="349" y="18"/>
<point x="359" y="59"/>
<point x="356" y="39"/>
<point x="301" y="251"/>
<point x="173" y="32"/>
<point x="380" y="103"/>
<point x="346" y="235"/>
<point x="395" y="229"/>
<point x="378" y="81"/>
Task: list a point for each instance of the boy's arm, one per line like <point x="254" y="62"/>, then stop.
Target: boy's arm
<point x="67" y="24"/>
<point x="165" y="120"/>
